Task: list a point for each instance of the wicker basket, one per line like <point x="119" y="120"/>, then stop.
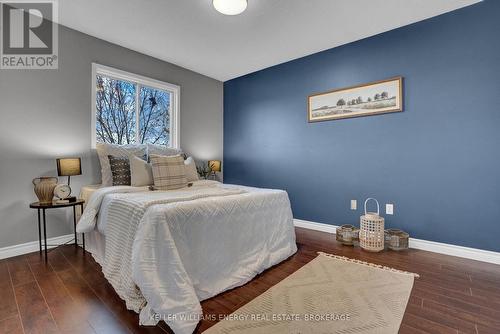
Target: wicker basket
<point x="348" y="235"/>
<point x="371" y="233"/>
<point x="396" y="239"/>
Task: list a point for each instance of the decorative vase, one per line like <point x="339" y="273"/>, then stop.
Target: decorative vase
<point x="348" y="235"/>
<point x="396" y="239"/>
<point x="44" y="188"/>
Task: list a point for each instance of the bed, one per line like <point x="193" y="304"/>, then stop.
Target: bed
<point x="165" y="251"/>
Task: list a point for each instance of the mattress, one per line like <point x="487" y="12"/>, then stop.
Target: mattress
<point x="87" y="191"/>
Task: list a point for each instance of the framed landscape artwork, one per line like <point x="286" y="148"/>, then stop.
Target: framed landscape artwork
<point x="380" y="97"/>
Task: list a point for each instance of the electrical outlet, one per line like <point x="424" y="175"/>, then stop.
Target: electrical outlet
<point x="389" y="209"/>
<point x="354" y="204"/>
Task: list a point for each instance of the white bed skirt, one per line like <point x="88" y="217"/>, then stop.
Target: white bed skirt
<point x="95" y="244"/>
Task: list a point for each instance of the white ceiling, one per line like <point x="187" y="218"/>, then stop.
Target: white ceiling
<point x="191" y="34"/>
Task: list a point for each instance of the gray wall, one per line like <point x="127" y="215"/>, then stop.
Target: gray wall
<point x="46" y="114"/>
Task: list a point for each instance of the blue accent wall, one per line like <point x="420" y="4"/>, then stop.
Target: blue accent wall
<point x="438" y="161"/>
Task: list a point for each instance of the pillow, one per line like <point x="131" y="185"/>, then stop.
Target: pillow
<point x="104" y="149"/>
<point x="120" y="170"/>
<point x="162" y="150"/>
<point x="169" y="172"/>
<point x="141" y="172"/>
<point x="191" y="172"/>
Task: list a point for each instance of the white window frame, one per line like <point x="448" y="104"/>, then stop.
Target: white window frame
<point x="139" y="80"/>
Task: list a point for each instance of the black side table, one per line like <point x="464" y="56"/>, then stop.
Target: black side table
<point x="55" y="205"/>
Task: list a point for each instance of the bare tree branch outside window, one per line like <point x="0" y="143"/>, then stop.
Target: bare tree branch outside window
<point x="116" y="113"/>
<point x="154" y="116"/>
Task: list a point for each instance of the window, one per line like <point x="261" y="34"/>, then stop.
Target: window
<point x="131" y="109"/>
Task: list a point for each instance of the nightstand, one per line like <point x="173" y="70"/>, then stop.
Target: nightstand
<point x="41" y="218"/>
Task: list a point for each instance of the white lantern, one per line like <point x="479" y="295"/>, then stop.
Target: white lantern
<point x="371" y="232"/>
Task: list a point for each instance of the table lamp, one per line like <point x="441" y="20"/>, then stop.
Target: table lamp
<point x="69" y="167"/>
<point x="215" y="166"/>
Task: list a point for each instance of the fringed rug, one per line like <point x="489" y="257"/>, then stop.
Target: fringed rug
<point x="330" y="294"/>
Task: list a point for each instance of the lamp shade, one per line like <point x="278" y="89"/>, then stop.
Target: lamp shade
<point x="69" y="166"/>
<point x="214" y="165"/>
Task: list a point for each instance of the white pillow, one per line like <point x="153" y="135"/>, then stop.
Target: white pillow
<point x="191" y="173"/>
<point x="141" y="173"/>
<point x="119" y="151"/>
<point x="162" y="150"/>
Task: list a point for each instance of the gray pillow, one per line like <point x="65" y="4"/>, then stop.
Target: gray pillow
<point x="154" y="149"/>
<point x="120" y="170"/>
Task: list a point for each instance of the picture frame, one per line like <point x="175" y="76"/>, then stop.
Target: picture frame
<point x="373" y="98"/>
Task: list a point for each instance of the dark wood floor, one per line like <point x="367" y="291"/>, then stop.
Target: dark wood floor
<point x="70" y="295"/>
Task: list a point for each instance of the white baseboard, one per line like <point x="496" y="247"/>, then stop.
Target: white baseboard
<point x="431" y="246"/>
<point x="460" y="251"/>
<point x="315" y="226"/>
<point x="33" y="246"/>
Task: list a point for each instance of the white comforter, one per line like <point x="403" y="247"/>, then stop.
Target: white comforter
<point x="167" y="251"/>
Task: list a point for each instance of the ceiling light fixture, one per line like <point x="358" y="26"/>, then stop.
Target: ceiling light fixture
<point x="230" y="7"/>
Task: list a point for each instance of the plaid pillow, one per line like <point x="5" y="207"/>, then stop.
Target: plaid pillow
<point x="168" y="172"/>
<point x="120" y="170"/>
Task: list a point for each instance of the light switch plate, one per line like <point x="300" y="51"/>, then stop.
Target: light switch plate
<point x="354" y="204"/>
<point x="389" y="209"/>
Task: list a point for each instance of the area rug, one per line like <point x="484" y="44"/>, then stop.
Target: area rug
<point x="330" y="294"/>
